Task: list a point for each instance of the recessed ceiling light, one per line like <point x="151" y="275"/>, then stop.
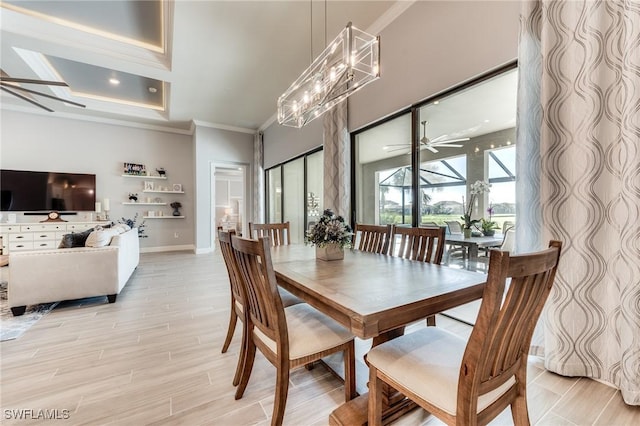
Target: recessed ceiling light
<point x="385" y="147"/>
<point x="436" y="102"/>
<point x="114" y="81"/>
<point x="152" y="90"/>
<point x="486" y="121"/>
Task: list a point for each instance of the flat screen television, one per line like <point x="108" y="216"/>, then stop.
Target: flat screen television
<point x="29" y="191"/>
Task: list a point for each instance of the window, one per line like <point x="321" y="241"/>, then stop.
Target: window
<point x="436" y="149"/>
<point x="294" y="193"/>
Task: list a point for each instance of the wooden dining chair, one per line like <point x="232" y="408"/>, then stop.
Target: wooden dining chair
<point x="470" y="382"/>
<point x="372" y="238"/>
<point x="423" y="244"/>
<point x="279" y="233"/>
<point x="287" y="337"/>
<point x="238" y="299"/>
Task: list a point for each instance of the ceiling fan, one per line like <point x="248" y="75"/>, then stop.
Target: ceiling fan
<point x="10" y="85"/>
<point x="427" y="143"/>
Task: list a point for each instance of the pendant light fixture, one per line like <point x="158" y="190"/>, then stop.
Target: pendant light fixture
<point x="346" y="65"/>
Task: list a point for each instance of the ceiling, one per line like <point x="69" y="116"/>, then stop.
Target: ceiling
<point x="219" y="63"/>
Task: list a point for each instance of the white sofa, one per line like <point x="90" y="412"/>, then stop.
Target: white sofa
<point x="72" y="273"/>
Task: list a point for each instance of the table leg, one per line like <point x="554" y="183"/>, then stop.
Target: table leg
<point x="394" y="403"/>
<point x="473" y="252"/>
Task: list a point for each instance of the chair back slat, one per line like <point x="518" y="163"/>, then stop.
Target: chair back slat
<point x="266" y="312"/>
<point x="279" y="233"/>
<point x="499" y="343"/>
<point x="422" y="244"/>
<point x="224" y="238"/>
<point x="372" y="238"/>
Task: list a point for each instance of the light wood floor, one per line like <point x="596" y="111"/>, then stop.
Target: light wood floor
<point x="154" y="357"/>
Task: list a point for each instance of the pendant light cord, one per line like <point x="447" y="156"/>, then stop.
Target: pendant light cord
<point x="325" y="23"/>
<point x="311" y="32"/>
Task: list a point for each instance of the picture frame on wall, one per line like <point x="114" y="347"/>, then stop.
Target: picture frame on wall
<point x="177" y="187"/>
<point x="148" y="186"/>
<point x="134" y="169"/>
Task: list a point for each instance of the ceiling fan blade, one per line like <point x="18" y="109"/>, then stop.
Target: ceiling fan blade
<point x="432" y="149"/>
<point x="41" y="94"/>
<point x="454" y="140"/>
<point x="446" y="145"/>
<point x="18" y="95"/>
<point x="32" y="81"/>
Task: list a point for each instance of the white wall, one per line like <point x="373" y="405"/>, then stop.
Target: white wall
<point x="284" y="143"/>
<point x="217" y="146"/>
<point x="432" y="46"/>
<point x="50" y="143"/>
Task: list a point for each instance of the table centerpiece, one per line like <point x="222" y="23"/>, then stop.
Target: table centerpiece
<point x="331" y="235"/>
<point x="478" y="187"/>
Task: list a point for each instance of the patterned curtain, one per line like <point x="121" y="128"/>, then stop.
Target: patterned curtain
<point x="258" y="178"/>
<point x="579" y="180"/>
<point x="337" y="157"/>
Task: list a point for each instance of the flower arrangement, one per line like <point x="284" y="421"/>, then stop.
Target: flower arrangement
<point x="478" y="187"/>
<point x="133" y="224"/>
<point x="176" y="205"/>
<point x="330" y="229"/>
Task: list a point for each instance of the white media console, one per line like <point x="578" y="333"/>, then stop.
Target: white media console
<point x="39" y="235"/>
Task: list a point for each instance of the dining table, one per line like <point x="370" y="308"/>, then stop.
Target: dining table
<point x="374" y="296"/>
<point x="474" y="243"/>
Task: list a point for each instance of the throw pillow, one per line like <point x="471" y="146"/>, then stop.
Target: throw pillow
<point x="77" y="239"/>
<point x="100" y="238"/>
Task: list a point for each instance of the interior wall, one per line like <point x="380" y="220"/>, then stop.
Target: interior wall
<point x="283" y="143"/>
<point x="217" y="146"/>
<point x="432" y="46"/>
<point x="50" y="143"/>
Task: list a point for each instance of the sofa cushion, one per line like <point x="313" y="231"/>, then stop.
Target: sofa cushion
<point x="121" y="228"/>
<point x="100" y="237"/>
<point x="77" y="239"/>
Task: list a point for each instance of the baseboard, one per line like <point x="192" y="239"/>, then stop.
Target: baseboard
<point x="159" y="249"/>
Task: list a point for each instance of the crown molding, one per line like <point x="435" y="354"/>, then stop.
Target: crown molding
<point x="94" y="119"/>
<point x="224" y="127"/>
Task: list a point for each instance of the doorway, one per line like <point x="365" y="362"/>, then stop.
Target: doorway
<point x="229" y="195"/>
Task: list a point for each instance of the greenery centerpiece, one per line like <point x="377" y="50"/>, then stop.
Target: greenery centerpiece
<point x="477" y="188"/>
<point x="488" y="227"/>
<point x="331" y="235"/>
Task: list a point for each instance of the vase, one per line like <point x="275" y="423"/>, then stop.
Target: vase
<point x="467" y="232"/>
<point x="489" y="232"/>
<point x="176" y="212"/>
<point x="330" y="252"/>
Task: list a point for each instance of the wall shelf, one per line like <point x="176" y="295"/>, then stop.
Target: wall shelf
<point x="144" y="204"/>
<point x="145" y="176"/>
<point x="163" y="217"/>
<point x="163" y="192"/>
